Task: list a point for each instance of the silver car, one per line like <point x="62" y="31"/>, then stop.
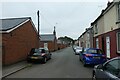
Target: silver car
<point x="78" y="50"/>
<point x="110" y="70"/>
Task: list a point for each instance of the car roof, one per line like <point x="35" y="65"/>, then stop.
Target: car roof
<point x="115" y="58"/>
<point x="111" y="59"/>
<point x="44" y="48"/>
<point x="93" y="48"/>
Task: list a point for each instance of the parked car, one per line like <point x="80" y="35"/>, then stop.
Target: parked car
<point x="78" y="50"/>
<point x="74" y="47"/>
<point x="92" y="56"/>
<point x="38" y="55"/>
<point x="109" y="70"/>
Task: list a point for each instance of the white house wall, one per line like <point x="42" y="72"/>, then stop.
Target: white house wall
<point x="100" y="24"/>
<point x="110" y="20"/>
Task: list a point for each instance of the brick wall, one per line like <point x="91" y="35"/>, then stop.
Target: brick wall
<point x="113" y="42"/>
<point x="51" y="45"/>
<point x="18" y="43"/>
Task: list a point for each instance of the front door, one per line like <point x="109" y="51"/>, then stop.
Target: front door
<point x="108" y="47"/>
<point x="45" y="45"/>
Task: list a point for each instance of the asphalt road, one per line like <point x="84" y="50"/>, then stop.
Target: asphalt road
<point x="64" y="64"/>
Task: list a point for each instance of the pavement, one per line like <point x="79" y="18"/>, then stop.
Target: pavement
<point x="8" y="70"/>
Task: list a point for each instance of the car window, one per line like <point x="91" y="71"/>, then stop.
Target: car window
<point x="36" y="54"/>
<point x="95" y="51"/>
<point x="113" y="67"/>
<point x="42" y="51"/>
<point x="79" y="48"/>
<point x="36" y="50"/>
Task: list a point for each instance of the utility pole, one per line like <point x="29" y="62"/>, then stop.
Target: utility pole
<point x="38" y="22"/>
<point x="38" y="27"/>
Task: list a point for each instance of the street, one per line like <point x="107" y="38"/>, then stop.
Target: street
<point x="64" y="64"/>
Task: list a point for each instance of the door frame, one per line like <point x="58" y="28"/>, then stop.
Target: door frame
<point x="108" y="46"/>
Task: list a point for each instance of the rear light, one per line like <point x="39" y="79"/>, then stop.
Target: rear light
<point x="43" y="54"/>
<point x="88" y="55"/>
<point x="104" y="56"/>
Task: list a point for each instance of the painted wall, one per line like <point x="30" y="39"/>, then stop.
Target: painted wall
<point x="110" y="19"/>
<point x="100" y="25"/>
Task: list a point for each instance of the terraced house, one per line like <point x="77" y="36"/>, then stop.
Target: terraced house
<point x="107" y="30"/>
<point x="104" y="32"/>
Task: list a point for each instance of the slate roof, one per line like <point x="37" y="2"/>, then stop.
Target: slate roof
<point x="47" y="37"/>
<point x="7" y="24"/>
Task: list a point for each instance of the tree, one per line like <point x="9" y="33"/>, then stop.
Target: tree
<point x="66" y="39"/>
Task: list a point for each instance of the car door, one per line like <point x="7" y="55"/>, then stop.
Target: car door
<point x="110" y="71"/>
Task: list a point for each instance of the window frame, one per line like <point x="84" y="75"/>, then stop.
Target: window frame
<point x="118" y="6"/>
<point x="118" y="51"/>
<point x="96" y="29"/>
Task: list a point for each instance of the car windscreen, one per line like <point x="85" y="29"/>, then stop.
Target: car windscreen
<point x="38" y="51"/>
<point x="79" y="48"/>
<point x="95" y="51"/>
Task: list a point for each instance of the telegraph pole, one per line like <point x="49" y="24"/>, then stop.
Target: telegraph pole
<point x="38" y="22"/>
<point x="38" y="26"/>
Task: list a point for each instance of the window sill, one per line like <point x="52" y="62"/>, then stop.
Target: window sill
<point x="118" y="22"/>
<point x="118" y="52"/>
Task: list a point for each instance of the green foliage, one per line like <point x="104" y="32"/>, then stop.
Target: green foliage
<point x="66" y="39"/>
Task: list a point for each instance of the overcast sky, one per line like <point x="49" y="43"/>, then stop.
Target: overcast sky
<point x="71" y="18"/>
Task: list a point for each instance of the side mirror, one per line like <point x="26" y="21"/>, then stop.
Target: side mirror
<point x="100" y="66"/>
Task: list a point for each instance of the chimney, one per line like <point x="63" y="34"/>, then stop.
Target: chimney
<point x="109" y="3"/>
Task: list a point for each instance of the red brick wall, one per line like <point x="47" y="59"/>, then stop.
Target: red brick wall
<point x="51" y="45"/>
<point x="113" y="42"/>
<point x="18" y="43"/>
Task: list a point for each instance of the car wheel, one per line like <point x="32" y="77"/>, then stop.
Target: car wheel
<point x="84" y="64"/>
<point x="45" y="60"/>
<point x="80" y="59"/>
<point x="93" y="76"/>
<point x="50" y="57"/>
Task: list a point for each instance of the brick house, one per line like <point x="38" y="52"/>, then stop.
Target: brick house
<point x="19" y="35"/>
<point x="86" y="39"/>
<point x="107" y="30"/>
<point x="49" y="41"/>
<point x="61" y="44"/>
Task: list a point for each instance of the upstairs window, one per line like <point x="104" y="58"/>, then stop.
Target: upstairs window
<point x="96" y="29"/>
<point x="119" y="11"/>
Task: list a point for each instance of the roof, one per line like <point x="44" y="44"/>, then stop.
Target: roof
<point x="47" y="37"/>
<point x="12" y="23"/>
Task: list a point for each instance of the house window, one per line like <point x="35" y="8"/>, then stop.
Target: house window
<point x="118" y="42"/>
<point x="88" y="35"/>
<point x="119" y="11"/>
<point x="96" y="29"/>
<point x="97" y="43"/>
